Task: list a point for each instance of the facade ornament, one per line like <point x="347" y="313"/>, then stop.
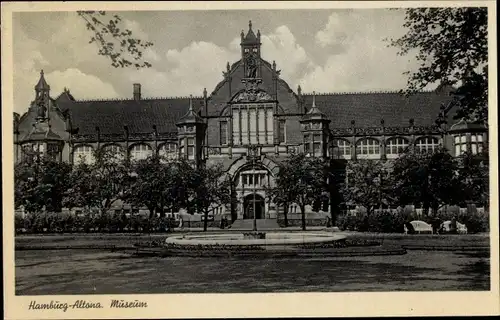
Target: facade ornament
<point x="251" y="65"/>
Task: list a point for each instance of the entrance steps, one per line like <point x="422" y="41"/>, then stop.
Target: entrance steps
<point x="262" y="224"/>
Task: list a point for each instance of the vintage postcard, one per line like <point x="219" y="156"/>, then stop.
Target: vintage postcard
<point x="249" y="159"/>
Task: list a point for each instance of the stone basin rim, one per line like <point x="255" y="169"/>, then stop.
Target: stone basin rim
<point x="276" y="238"/>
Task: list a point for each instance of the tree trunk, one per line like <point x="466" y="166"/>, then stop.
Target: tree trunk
<point x="303" y="211"/>
<point x="285" y="213"/>
<point x="205" y="222"/>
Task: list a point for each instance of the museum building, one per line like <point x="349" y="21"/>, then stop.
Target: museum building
<point x="250" y="121"/>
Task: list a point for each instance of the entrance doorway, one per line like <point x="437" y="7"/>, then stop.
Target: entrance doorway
<point x="253" y="201"/>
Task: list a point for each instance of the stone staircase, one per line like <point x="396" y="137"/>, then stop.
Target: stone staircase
<point x="262" y="224"/>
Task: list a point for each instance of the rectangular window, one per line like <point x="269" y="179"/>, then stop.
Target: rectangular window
<point x="253" y="125"/>
<point x="236" y="126"/>
<point x="244" y="126"/>
<point x="223" y="132"/>
<point x="282" y="131"/>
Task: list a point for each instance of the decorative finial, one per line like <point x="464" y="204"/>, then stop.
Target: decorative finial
<point x="250" y="25"/>
<point x="191" y="103"/>
<point x="274" y="65"/>
<point x="299" y="89"/>
<point x="228" y="67"/>
<point x="258" y="33"/>
<point x="242" y="34"/>
<point x="41" y="72"/>
<point x="205" y="92"/>
<point x="314" y="99"/>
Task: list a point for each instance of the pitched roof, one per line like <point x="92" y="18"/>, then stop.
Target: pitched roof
<point x="42" y="84"/>
<point x="368" y="109"/>
<point x="191" y="116"/>
<point x="315" y="113"/>
<point x="138" y="115"/>
<point x="250" y="38"/>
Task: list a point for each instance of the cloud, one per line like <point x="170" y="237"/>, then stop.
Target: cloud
<point x="82" y="86"/>
<point x="290" y="57"/>
<point x="27" y="60"/>
<point x="361" y="60"/>
<point x="185" y="71"/>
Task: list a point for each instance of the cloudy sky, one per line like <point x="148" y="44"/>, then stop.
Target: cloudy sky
<point x="322" y="50"/>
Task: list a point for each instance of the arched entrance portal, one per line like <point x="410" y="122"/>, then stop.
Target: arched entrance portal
<point x="253" y="204"/>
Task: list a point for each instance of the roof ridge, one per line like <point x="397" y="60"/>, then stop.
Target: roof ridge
<point x="132" y="99"/>
<point x="360" y="92"/>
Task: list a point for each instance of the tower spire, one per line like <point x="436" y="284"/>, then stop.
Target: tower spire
<point x="190" y="103"/>
<point x="250" y="25"/>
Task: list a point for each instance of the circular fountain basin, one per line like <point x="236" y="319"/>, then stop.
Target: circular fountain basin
<point x="270" y="239"/>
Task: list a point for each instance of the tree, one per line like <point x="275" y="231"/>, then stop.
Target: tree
<point x="427" y="179"/>
<point x="368" y="184"/>
<point x="300" y="180"/>
<point x="114" y="41"/>
<point x="158" y="184"/>
<point x="209" y="189"/>
<point x="452" y="46"/>
<point x="41" y="183"/>
<point x="98" y="185"/>
<point x="473" y="174"/>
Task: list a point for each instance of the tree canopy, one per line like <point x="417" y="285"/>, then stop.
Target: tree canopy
<point x="300" y="180"/>
<point x="452" y="49"/>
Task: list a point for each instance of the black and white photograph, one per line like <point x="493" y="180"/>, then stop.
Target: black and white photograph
<point x="251" y="149"/>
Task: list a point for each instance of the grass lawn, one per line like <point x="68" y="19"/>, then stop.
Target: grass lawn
<point x="127" y="240"/>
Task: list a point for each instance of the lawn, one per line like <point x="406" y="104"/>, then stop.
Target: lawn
<point x="101" y="271"/>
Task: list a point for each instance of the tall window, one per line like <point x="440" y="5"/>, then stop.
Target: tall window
<point x="53" y="151"/>
<point x="476" y="143"/>
<point x="344" y="148"/>
<point x="140" y="152"/>
<point x="307" y="144"/>
<point x="317" y="145"/>
<point x="168" y="150"/>
<point x="427" y="144"/>
<point x="281" y="129"/>
<point x="368" y="149"/>
<point x="396" y="146"/>
<point x="252" y="124"/>
<point x="190" y="148"/>
<point x="182" y="148"/>
<point x="460" y="144"/>
<point x="223" y="132"/>
<point x="83" y="154"/>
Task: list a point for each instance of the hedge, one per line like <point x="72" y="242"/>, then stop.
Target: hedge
<point x="52" y="222"/>
<point x="393" y="222"/>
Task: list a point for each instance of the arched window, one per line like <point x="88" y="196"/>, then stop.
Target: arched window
<point x="343" y="148"/>
<point x="83" y="154"/>
<point x="427" y="144"/>
<point x="368" y="149"/>
<point x="168" y="150"/>
<point x="395" y="146"/>
<point x="140" y="152"/>
<point x="115" y="150"/>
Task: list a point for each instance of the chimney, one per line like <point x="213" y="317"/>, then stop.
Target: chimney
<point x="137" y="91"/>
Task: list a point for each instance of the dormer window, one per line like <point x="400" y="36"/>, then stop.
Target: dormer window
<point x="254" y="50"/>
<point x="247" y="50"/>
